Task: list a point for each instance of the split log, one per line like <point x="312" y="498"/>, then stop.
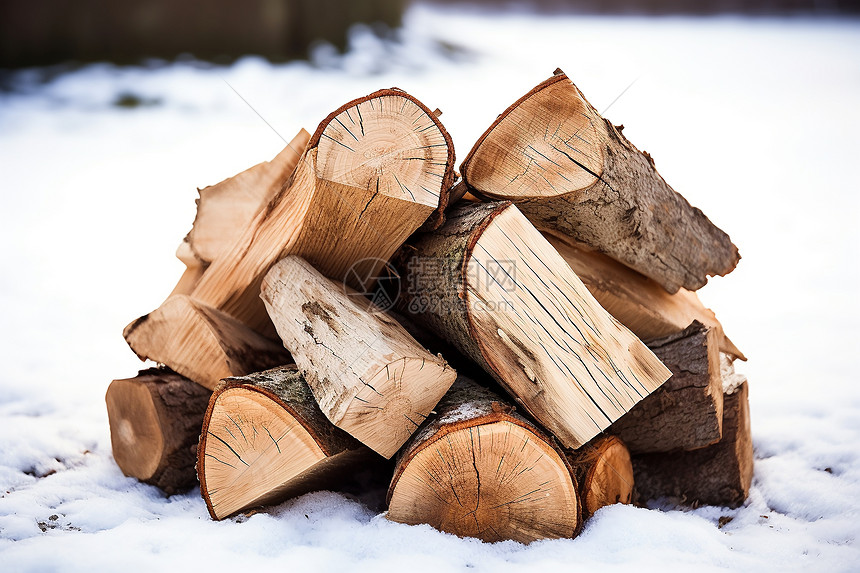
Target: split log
<point x="374" y="172"/>
<point x="369" y="376"/>
<point x="201" y="343"/>
<point x="573" y="174"/>
<point x="639" y="303"/>
<point x="155" y="422"/>
<point x="491" y="284"/>
<point x="603" y="472"/>
<point x="686" y="412"/>
<point x="478" y="469"/>
<point x="225" y="209"/>
<point x="716" y="475"/>
<point x="264" y="440"/>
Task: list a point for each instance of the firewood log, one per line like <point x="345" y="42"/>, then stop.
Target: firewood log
<point x="639" y="303"/>
<point x="716" y="475"/>
<point x="603" y="472"/>
<point x="573" y="174"/>
<point x="264" y="440"/>
<point x="155" y="422"/>
<point x="686" y="412"/>
<point x="374" y="172"/>
<point x="226" y="208"/>
<point x="492" y="285"/>
<point x="201" y="343"/>
<point x="478" y="469"/>
<point x="369" y="376"/>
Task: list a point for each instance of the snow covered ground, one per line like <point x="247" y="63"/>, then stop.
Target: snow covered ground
<point x="754" y="120"/>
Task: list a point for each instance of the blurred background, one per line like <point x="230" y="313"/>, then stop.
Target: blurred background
<point x="48" y="32"/>
<point x="114" y="113"/>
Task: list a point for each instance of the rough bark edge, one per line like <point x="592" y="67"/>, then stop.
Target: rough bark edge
<point x="615" y="135"/>
<point x="327" y="444"/>
<point x="696" y="460"/>
<point x="495" y="409"/>
<point x="710" y="337"/>
<point x="467" y="223"/>
<point x="437" y="217"/>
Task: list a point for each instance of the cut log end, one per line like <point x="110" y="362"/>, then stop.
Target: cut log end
<point x="390" y="143"/>
<point x="263" y="443"/>
<point x="155" y="422"/>
<point x="604" y="472"/>
<point x="135" y="429"/>
<point x="520" y="158"/>
<point x="394" y="402"/>
<point x="370" y="377"/>
<point x="493" y="480"/>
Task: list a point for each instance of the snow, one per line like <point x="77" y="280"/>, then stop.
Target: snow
<point x="753" y="120"/>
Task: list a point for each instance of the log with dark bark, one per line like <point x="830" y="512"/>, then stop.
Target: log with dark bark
<point x="686" y="412"/>
<point x="478" y="469"/>
<point x="155" y="421"/>
<point x="574" y="175"/>
<point x="716" y="475"/>
<point x="369" y="376"/>
<point x="603" y="472"/>
<point x="264" y="440"/>
<point x="489" y="282"/>
<point x="639" y="303"/>
<point x="201" y="342"/>
<point x="375" y="171"/>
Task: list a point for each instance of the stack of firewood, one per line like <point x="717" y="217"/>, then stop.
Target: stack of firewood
<point x="350" y="301"/>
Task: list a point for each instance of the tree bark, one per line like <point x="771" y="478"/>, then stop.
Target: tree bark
<point x="369" y="376"/>
<point x="201" y="343"/>
<point x="264" y="440"/>
<point x="639" y="303"/>
<point x="574" y="175"/>
<point x="686" y="412"/>
<point x="374" y="172"/>
<point x="478" y="469"/>
<point x="603" y="472"/>
<point x="488" y="282"/>
<point x="716" y="475"/>
<point x="155" y="421"/>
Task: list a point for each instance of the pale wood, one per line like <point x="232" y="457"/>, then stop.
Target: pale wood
<point x="155" y="421"/>
<point x="575" y="175"/>
<point x="373" y="173"/>
<point x="639" y="303"/>
<point x="189" y="279"/>
<point x="369" y="376"/>
<point x="201" y="342"/>
<point x="720" y="474"/>
<point x="478" y="469"/>
<point x="604" y="473"/>
<point x="264" y="440"/>
<point x="226" y="208"/>
<point x="505" y="298"/>
<point x="686" y="412"/>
